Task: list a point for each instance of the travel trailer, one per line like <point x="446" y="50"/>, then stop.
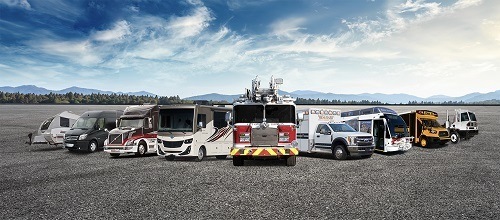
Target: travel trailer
<point x="319" y="130"/>
<point x="52" y="130"/>
<point x="264" y="125"/>
<point x="194" y="131"/>
<point x="389" y="130"/>
<point x="91" y="130"/>
<point x="135" y="132"/>
<point x="461" y="125"/>
<point x="424" y="127"/>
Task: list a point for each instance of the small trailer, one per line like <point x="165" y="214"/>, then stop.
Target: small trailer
<point x="52" y="130"/>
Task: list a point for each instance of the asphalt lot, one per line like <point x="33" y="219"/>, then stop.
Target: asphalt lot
<point x="451" y="182"/>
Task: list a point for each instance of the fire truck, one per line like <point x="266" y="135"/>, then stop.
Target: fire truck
<point x="264" y="125"/>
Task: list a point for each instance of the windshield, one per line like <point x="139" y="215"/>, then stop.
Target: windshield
<point x="430" y="123"/>
<point x="397" y="126"/>
<point x="280" y="113"/>
<point x="84" y="123"/>
<point x="248" y="113"/>
<point x="46" y="124"/>
<point x="172" y="120"/>
<point x="132" y="123"/>
<point x="342" y="128"/>
<point x="472" y="116"/>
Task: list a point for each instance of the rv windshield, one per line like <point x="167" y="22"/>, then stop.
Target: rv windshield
<point x="248" y="113"/>
<point x="84" y="123"/>
<point x="397" y="126"/>
<point x="280" y="113"/>
<point x="131" y="123"/>
<point x="472" y="116"/>
<point x="431" y="123"/>
<point x="176" y="120"/>
<point x="46" y="124"/>
<point x="342" y="128"/>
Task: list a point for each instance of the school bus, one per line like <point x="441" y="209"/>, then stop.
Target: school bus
<point x="423" y="125"/>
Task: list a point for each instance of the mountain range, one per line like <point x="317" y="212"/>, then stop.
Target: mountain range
<point x="305" y="94"/>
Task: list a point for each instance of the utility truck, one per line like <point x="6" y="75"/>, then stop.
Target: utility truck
<point x="319" y="130"/>
<point x="195" y="131"/>
<point x="424" y="127"/>
<point x="389" y="130"/>
<point x="135" y="132"/>
<point x="462" y="125"/>
<point x="264" y="125"/>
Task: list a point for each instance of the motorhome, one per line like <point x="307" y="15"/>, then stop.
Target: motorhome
<point x="320" y="131"/>
<point x="461" y="125"/>
<point x="389" y="130"/>
<point x="91" y="130"/>
<point x="424" y="127"/>
<point x="194" y="131"/>
<point x="264" y="125"/>
<point x="52" y="130"/>
<point x="135" y="132"/>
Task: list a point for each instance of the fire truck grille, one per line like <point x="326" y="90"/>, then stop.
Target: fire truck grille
<point x="443" y="134"/>
<point x="172" y="144"/>
<point x="115" y="139"/>
<point x="264" y="136"/>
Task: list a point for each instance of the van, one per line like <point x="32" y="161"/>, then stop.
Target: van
<point x="91" y="130"/>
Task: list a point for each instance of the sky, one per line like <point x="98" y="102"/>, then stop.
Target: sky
<point x="194" y="47"/>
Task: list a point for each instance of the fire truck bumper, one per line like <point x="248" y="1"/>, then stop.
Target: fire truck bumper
<point x="264" y="152"/>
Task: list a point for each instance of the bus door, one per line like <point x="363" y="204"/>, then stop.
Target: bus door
<point x="378" y="134"/>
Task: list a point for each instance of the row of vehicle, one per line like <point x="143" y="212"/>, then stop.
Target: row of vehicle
<point x="261" y="124"/>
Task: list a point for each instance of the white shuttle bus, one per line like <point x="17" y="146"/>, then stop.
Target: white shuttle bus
<point x="389" y="130"/>
<point x="194" y="131"/>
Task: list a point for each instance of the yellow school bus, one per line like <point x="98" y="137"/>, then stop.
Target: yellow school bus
<point x="423" y="125"/>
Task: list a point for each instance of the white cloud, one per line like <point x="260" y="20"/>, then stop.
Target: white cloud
<point x="119" y="30"/>
<point x="288" y="27"/>
<point x="80" y="52"/>
<point x="17" y="3"/>
<point x="191" y="25"/>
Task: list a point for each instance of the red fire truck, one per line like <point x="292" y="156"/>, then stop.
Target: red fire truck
<point x="264" y="125"/>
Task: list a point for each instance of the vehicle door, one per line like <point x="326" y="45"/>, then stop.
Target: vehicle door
<point x="101" y="132"/>
<point x="323" y="137"/>
<point x="378" y="134"/>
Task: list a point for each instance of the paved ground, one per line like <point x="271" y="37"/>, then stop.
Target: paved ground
<point x="451" y="182"/>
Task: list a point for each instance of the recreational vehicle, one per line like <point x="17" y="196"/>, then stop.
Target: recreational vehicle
<point x="91" y="130"/>
<point x="194" y="131"/>
<point x="424" y="127"/>
<point x="52" y="130"/>
<point x="389" y="130"/>
<point x="135" y="132"/>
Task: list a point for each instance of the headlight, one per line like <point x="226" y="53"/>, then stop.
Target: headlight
<point x="130" y="143"/>
<point x="351" y="140"/>
<point x="188" y="141"/>
<point x="244" y="137"/>
<point x="82" y="137"/>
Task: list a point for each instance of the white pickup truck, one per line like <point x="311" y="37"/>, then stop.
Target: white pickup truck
<point x="318" y="130"/>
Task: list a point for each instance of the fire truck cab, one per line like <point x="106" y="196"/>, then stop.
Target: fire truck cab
<point x="264" y="125"/>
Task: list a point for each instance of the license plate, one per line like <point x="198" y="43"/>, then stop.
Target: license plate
<point x="70" y="145"/>
<point x="115" y="150"/>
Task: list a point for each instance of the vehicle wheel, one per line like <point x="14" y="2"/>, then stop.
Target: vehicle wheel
<point x="291" y="161"/>
<point x="339" y="152"/>
<point x="423" y="142"/>
<point x="201" y="154"/>
<point x="92" y="146"/>
<point x="170" y="158"/>
<point x="221" y="157"/>
<point x="238" y="161"/>
<point x="455" y="137"/>
<point x="114" y="155"/>
<point x="141" y="149"/>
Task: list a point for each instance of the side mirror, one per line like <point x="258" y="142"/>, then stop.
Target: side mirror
<point x="328" y="133"/>
<point x="147" y="123"/>
<point x="228" y="117"/>
<point x="96" y="127"/>
<point x="200" y="125"/>
<point x="117" y="122"/>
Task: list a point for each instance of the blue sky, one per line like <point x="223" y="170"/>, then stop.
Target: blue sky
<point x="192" y="47"/>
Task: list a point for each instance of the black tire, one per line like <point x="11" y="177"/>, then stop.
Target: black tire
<point x="141" y="149"/>
<point x="114" y="155"/>
<point x="291" y="161"/>
<point x="454" y="137"/>
<point x="238" y="161"/>
<point x="93" y="145"/>
<point x="202" y="153"/>
<point x="339" y="152"/>
<point x="170" y="158"/>
<point x="221" y="157"/>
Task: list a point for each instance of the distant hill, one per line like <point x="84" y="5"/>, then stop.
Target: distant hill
<point x="25" y="89"/>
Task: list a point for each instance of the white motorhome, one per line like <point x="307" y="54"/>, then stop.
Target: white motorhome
<point x="194" y="131"/>
<point x="387" y="127"/>
<point x="461" y="125"/>
<point x="319" y="130"/>
<point x="52" y="130"/>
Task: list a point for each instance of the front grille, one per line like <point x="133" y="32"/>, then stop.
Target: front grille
<point x="364" y="141"/>
<point x="115" y="139"/>
<point x="443" y="134"/>
<point x="264" y="136"/>
<point x="172" y="144"/>
<point x="72" y="138"/>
